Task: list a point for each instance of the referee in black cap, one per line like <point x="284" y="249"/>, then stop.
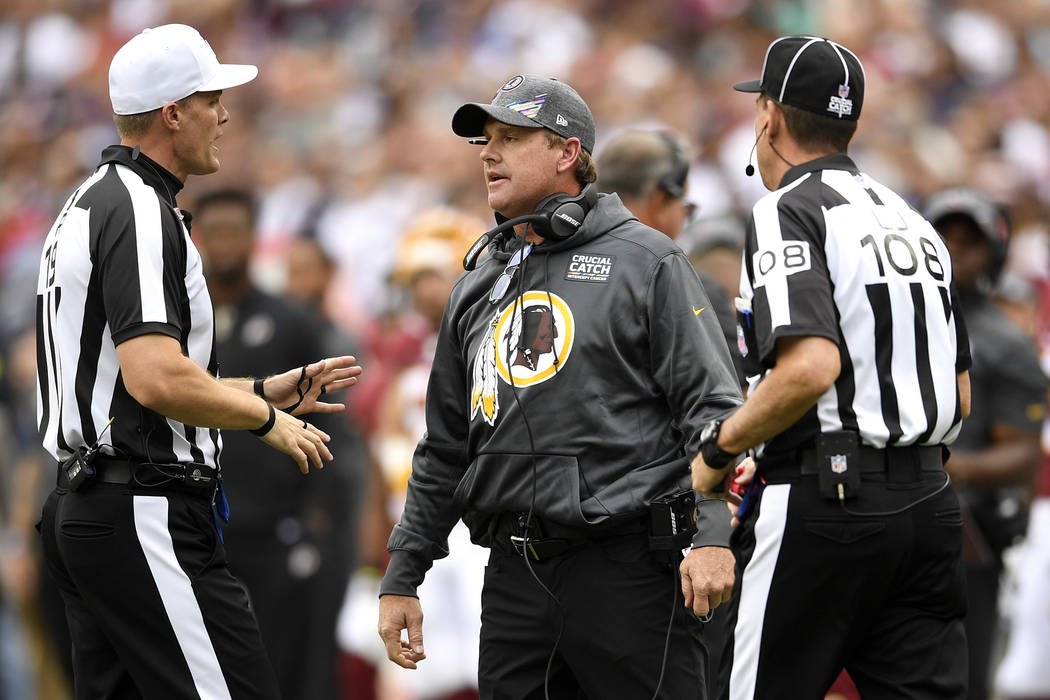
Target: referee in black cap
<point x="849" y="537"/>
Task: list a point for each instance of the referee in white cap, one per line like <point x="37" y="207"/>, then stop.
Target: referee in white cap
<point x="130" y="406"/>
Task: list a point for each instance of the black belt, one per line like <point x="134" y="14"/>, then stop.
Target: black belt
<point x="874" y="460"/>
<point x="897" y="463"/>
<point x="114" y="470"/>
<point x="545" y="539"/>
<point x="120" y="470"/>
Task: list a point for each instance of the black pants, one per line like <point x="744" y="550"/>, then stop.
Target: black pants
<point x="153" y="610"/>
<point x="819" y="590"/>
<point x="614" y="602"/>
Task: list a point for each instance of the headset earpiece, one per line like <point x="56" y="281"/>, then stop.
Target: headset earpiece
<point x="561" y="215"/>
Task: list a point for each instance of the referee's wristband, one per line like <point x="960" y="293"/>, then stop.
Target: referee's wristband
<point x="260" y="387"/>
<point x="268" y="425"/>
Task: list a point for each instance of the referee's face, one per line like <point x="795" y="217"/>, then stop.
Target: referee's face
<point x="200" y="127"/>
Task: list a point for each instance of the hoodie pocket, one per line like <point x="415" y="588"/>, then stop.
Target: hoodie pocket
<point x="497" y="483"/>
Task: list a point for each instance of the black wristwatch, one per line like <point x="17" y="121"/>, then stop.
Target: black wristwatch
<point x="714" y="456"/>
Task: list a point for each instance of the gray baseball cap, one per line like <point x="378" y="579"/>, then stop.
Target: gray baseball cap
<point x="531" y="101"/>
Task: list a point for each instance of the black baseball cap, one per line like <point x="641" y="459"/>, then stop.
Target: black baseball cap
<point x="985" y="214"/>
<point x="813" y="74"/>
<point x="531" y="101"/>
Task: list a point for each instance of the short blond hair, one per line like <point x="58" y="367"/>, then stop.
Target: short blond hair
<point x="135" y="126"/>
<point x="586" y="169"/>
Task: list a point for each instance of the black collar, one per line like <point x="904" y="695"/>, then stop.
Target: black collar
<point x="165" y="184"/>
<point x="835" y="161"/>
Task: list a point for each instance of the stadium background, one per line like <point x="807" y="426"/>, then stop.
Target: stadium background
<point x="345" y="137"/>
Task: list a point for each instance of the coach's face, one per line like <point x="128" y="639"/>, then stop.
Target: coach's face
<point x="521" y="167"/>
<point x="201" y="119"/>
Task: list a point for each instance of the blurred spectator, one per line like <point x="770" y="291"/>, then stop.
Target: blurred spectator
<point x="428" y="261"/>
<point x="649" y="170"/>
<point x="997" y="451"/>
<point x="715" y="245"/>
<point x="289" y="538"/>
<point x="345" y="131"/>
<point x="1024" y="673"/>
<point x="33" y="618"/>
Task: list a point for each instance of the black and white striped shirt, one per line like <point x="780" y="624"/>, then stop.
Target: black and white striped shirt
<point x="833" y="253"/>
<point x="118" y="263"/>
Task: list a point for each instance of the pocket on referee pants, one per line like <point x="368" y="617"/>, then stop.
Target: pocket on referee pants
<point x="842" y="530"/>
<point x="194" y="536"/>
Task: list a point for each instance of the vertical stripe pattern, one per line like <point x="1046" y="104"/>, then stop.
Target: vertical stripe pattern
<point x="176" y="592"/>
<point x="756" y="583"/>
<point x="118" y="263"/>
<point x="833" y="253"/>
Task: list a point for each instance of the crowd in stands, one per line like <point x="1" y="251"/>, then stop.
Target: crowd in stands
<point x="345" y="139"/>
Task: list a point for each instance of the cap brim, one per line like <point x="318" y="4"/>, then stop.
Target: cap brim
<point x="749" y="86"/>
<point x="230" y="75"/>
<point x="469" y="120"/>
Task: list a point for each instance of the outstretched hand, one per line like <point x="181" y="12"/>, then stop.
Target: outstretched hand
<point x="303" y="387"/>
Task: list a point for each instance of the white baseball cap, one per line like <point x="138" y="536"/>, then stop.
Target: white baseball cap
<point x="165" y="64"/>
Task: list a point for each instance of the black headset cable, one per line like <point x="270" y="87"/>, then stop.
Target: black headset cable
<point x="519" y="304"/>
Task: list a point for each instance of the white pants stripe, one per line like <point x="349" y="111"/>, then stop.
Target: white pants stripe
<point x="176" y="591"/>
<point x="754" y="590"/>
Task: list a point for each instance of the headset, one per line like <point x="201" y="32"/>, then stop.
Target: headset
<point x="673" y="181"/>
<point x="991" y="219"/>
<point x="556" y="218"/>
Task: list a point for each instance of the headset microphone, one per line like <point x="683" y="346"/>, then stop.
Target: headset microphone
<point x="750" y="169"/>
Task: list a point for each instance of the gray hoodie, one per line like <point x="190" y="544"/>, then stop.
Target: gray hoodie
<point x="617" y="362"/>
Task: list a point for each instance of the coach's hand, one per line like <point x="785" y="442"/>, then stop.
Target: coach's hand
<point x="707" y="578"/>
<point x="396" y="613"/>
<point x="713" y="483"/>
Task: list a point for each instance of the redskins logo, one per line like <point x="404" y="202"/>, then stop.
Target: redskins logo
<point x="513" y="83"/>
<point x="525" y="344"/>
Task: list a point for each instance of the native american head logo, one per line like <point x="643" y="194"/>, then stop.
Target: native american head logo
<point x="526" y="343"/>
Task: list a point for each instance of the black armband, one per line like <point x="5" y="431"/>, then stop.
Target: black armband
<point x="268" y="425"/>
<point x="260" y="389"/>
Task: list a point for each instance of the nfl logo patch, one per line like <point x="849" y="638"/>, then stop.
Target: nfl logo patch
<point x="843" y="91"/>
<point x="838" y="463"/>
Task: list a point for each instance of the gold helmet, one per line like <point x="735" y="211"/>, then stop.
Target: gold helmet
<point x="435" y="240"/>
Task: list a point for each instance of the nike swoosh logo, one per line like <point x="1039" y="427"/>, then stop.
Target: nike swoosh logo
<point x="696" y="311"/>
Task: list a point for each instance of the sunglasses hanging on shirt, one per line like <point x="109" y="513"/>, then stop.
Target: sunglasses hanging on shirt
<point x="502" y="284"/>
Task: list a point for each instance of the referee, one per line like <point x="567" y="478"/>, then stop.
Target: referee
<point x="130" y="407"/>
<point x="850" y="556"/>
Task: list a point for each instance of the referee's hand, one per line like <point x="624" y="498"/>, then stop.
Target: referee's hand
<point x="305" y="443"/>
<point x="304" y="387"/>
<point x="396" y="613"/>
